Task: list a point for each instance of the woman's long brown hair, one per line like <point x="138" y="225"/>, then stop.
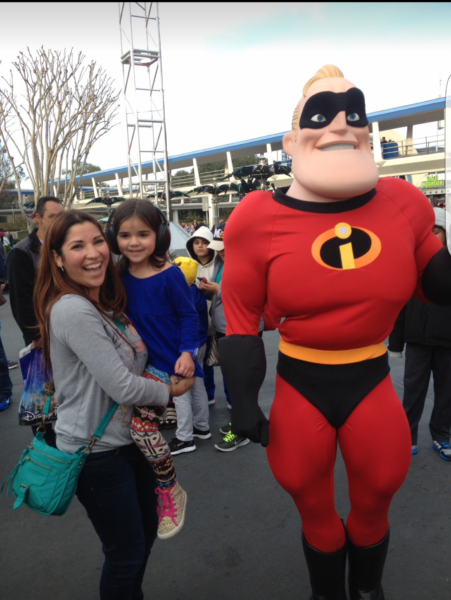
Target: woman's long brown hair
<point x="52" y="283"/>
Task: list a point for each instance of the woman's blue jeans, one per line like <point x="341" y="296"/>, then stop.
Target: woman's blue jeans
<point x="117" y="489"/>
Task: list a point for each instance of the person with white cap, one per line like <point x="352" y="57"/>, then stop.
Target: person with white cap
<point x="213" y="288"/>
<point x="425" y="329"/>
<point x="197" y="248"/>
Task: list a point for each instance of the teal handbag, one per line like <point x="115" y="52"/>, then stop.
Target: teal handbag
<point x="45" y="478"/>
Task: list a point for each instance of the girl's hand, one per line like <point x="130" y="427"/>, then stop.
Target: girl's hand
<point x="185" y="365"/>
<point x="210" y="287"/>
<point x="182" y="386"/>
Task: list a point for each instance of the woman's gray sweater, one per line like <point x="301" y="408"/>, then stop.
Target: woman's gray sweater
<point x="92" y="365"/>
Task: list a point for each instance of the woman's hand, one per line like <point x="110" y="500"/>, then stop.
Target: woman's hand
<point x="182" y="386"/>
<point x="210" y="286"/>
<point x="185" y="365"/>
<point x="37" y="343"/>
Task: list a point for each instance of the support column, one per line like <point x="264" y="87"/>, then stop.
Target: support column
<point x="94" y="187"/>
<point x="229" y="163"/>
<point x="269" y="151"/>
<point x="119" y="184"/>
<point x="196" y="173"/>
<point x="213" y="212"/>
<point x="175" y="216"/>
<point x="409" y="149"/>
<point x="377" y="148"/>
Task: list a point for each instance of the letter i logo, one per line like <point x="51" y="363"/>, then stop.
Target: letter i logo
<point x="345" y="248"/>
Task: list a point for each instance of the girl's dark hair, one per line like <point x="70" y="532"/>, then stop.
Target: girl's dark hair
<point x="52" y="283"/>
<point x="149" y="214"/>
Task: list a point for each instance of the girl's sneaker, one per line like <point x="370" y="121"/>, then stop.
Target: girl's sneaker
<point x="172" y="510"/>
<point x="202" y="435"/>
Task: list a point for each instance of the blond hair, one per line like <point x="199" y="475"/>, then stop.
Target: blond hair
<point x="323" y="73"/>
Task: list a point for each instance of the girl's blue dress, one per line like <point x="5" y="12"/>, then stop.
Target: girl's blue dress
<point x="162" y="310"/>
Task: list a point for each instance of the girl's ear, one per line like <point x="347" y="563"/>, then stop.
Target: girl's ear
<point x="58" y="260"/>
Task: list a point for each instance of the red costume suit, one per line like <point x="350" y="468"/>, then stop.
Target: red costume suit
<point x="338" y="275"/>
<point x="334" y="261"/>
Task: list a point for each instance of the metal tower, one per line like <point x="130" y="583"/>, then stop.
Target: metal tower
<point x="142" y="72"/>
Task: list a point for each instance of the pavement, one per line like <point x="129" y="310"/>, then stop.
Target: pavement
<point x="242" y="536"/>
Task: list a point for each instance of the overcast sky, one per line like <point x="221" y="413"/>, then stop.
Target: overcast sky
<point x="235" y="71"/>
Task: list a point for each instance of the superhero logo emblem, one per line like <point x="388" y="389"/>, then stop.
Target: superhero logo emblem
<point x="345" y="247"/>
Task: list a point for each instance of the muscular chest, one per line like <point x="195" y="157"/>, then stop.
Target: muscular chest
<point x="321" y="262"/>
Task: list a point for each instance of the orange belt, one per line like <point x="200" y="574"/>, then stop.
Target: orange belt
<point x="331" y="357"/>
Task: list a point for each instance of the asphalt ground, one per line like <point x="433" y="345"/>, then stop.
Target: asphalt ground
<point x="242" y="536"/>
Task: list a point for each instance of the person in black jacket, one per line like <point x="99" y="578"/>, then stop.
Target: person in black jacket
<point x="22" y="267"/>
<point x="426" y="331"/>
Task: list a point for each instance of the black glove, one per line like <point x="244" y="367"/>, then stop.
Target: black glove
<point x="243" y="365"/>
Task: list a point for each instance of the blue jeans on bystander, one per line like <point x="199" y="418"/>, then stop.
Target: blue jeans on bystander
<point x="6" y="386"/>
<point x="117" y="489"/>
<point x="209" y="373"/>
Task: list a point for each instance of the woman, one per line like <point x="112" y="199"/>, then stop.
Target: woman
<point x="97" y="357"/>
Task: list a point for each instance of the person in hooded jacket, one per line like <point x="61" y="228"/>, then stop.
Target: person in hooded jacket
<point x="212" y="290"/>
<point x="425" y="329"/>
<point x="197" y="248"/>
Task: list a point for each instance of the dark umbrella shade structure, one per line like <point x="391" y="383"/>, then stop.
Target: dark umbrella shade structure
<point x="216" y="190"/>
<point x="255" y="177"/>
<point x="108" y="201"/>
<point x="172" y="194"/>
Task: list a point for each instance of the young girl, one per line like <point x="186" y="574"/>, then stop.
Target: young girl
<point x="161" y="308"/>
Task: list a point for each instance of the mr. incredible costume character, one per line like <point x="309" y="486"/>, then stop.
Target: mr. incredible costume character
<point x="334" y="259"/>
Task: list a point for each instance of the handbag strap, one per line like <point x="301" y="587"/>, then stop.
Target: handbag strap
<point x="100" y="429"/>
<point x="106" y="419"/>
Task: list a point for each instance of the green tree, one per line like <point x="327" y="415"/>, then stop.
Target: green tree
<point x="253" y="159"/>
<point x="7" y="175"/>
<point x="179" y="176"/>
<point x="89" y="168"/>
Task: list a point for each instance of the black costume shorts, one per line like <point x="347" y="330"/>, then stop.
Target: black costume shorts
<point x="335" y="390"/>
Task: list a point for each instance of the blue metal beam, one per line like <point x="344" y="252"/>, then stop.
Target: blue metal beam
<point x="383" y="115"/>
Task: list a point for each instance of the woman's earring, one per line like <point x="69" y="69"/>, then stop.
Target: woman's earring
<point x="62" y="269"/>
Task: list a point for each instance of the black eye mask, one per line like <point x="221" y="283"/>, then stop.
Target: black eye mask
<point x="325" y="106"/>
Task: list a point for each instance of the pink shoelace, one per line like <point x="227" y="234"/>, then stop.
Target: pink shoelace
<point x="168" y="508"/>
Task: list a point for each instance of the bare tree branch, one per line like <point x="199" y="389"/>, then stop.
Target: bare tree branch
<point x="65" y="108"/>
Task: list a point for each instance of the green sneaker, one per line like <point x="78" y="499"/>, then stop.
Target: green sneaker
<point x="225" y="429"/>
<point x="231" y="442"/>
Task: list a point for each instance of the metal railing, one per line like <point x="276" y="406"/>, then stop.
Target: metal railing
<point x="212" y="176"/>
<point x="183" y="181"/>
<point x="408" y="148"/>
